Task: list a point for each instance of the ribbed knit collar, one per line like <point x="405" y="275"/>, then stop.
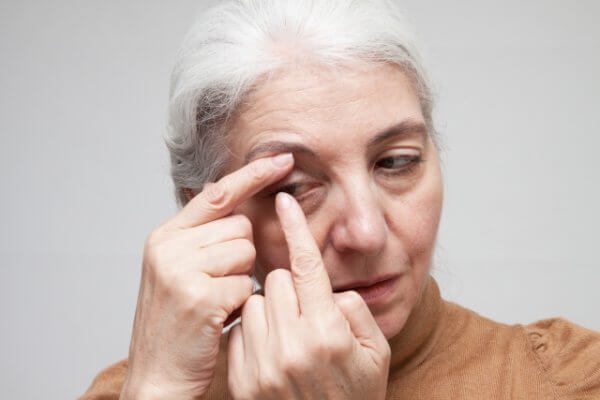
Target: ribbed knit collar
<point x="421" y="332"/>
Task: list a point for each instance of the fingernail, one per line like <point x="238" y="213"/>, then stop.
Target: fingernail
<point x="283" y="200"/>
<point x="281" y="160"/>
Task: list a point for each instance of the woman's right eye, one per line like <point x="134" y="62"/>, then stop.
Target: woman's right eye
<point x="290" y="188"/>
<point x="309" y="195"/>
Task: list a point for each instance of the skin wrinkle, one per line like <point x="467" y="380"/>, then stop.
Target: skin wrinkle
<point x="405" y="128"/>
<point x="366" y="224"/>
<point x="246" y="112"/>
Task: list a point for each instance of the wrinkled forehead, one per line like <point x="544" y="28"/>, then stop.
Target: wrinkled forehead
<point x="325" y="109"/>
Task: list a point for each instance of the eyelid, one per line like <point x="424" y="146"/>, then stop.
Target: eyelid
<point x="408" y="152"/>
<point x="412" y="160"/>
<point x="289" y="180"/>
<point x="285" y="188"/>
<point x="300" y="187"/>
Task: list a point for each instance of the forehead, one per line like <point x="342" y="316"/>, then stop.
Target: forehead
<point x="324" y="108"/>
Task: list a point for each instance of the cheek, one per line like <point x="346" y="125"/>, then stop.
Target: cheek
<point x="415" y="218"/>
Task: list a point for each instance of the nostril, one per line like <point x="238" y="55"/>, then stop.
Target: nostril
<point x="360" y="224"/>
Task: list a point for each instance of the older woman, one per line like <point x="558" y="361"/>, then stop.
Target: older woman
<point x="304" y="154"/>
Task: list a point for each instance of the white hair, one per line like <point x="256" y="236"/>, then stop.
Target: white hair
<point x="235" y="42"/>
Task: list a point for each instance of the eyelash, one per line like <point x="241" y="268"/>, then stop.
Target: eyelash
<point x="407" y="169"/>
<point x="289" y="188"/>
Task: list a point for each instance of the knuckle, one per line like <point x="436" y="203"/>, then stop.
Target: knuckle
<point x="188" y="294"/>
<point x="269" y="382"/>
<point x="247" y="285"/>
<point x="354" y="298"/>
<point x="332" y="348"/>
<point x="386" y="352"/>
<point x="154" y="237"/>
<point x="254" y="300"/>
<point x="216" y="195"/>
<point x="153" y="257"/>
<point x="278" y="277"/>
<point x="292" y="362"/>
<point x="257" y="171"/>
<point x="243" y="225"/>
<point x="340" y="347"/>
<point x="350" y="300"/>
<point x="161" y="270"/>
<point x="247" y="249"/>
<point x="194" y="299"/>
<point x="166" y="281"/>
<point x="306" y="260"/>
<point x="330" y="340"/>
<point x="245" y="246"/>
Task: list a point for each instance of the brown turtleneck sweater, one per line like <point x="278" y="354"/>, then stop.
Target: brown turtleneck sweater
<point x="446" y="352"/>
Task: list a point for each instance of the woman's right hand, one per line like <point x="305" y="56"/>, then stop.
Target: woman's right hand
<point x="195" y="274"/>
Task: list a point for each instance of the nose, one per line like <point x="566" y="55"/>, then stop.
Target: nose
<point x="360" y="224"/>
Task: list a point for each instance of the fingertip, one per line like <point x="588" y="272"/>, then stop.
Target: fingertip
<point x="249" y="284"/>
<point x="283" y="202"/>
<point x="359" y="316"/>
<point x="348" y="301"/>
<point x="283" y="160"/>
<point x="289" y="212"/>
<point x="283" y="207"/>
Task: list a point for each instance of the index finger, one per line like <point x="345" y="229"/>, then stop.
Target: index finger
<point x="219" y="199"/>
<point x="311" y="281"/>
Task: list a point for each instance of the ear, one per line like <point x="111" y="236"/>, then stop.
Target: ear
<point x="188" y="194"/>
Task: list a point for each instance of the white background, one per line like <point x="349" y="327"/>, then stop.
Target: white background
<point x="83" y="95"/>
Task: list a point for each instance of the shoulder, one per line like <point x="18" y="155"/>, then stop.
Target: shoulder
<point x="568" y="354"/>
<point x="108" y="383"/>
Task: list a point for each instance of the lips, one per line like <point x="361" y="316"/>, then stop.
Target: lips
<point x="375" y="292"/>
<point x="361" y="285"/>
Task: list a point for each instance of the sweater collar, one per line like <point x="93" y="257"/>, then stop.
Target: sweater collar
<point x="420" y="333"/>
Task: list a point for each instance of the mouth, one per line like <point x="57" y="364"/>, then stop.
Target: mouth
<point x="373" y="291"/>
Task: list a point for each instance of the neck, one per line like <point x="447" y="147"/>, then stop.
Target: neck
<point x="415" y="341"/>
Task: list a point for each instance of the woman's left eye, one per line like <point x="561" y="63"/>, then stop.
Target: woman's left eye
<point x="398" y="164"/>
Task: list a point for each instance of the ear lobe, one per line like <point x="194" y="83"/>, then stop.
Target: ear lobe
<point x="187" y="193"/>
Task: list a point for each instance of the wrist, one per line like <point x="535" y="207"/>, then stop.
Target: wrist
<point x="153" y="391"/>
<point x="139" y="392"/>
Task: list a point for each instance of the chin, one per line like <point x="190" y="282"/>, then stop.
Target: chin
<point x="392" y="322"/>
<point x="391" y="316"/>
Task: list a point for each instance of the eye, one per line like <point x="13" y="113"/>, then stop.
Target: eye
<point x="398" y="164"/>
<point x="298" y="189"/>
<point x="289" y="188"/>
<point x="294" y="184"/>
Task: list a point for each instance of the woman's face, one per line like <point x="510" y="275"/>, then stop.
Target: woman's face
<point x="366" y="175"/>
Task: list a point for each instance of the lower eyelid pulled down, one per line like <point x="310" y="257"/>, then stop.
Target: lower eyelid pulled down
<point x="290" y="188"/>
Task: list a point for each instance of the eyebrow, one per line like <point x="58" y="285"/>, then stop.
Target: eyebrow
<point x="275" y="147"/>
<point x="404" y="128"/>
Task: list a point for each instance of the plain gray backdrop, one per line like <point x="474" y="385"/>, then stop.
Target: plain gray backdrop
<point x="85" y="177"/>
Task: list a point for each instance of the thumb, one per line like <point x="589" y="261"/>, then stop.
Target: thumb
<point x="362" y="323"/>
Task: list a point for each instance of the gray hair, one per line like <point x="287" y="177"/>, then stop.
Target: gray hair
<point x="232" y="44"/>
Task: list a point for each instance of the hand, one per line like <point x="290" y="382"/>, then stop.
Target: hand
<point x="300" y="341"/>
<point x="195" y="273"/>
